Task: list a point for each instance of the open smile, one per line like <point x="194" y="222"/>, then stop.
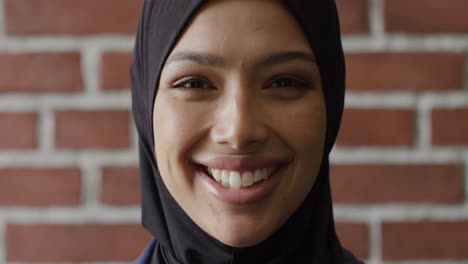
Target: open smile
<point x="233" y="179"/>
<point x="241" y="180"/>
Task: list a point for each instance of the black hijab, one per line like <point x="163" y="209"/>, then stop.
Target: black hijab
<point x="309" y="235"/>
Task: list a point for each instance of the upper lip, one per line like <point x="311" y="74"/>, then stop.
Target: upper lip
<point x="241" y="162"/>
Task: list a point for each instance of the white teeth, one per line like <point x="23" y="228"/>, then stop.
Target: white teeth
<point x="265" y="174"/>
<point x="225" y="178"/>
<point x="247" y="179"/>
<point x="258" y="176"/>
<point x="234" y="180"/>
<point x="216" y="174"/>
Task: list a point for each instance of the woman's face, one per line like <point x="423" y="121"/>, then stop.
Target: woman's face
<point x="239" y="120"/>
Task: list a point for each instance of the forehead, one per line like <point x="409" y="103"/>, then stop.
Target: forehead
<point x="242" y="28"/>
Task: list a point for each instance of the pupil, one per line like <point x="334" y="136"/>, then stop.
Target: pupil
<point x="285" y="82"/>
<point x="194" y="84"/>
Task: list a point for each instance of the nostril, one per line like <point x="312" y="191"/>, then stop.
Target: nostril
<point x="240" y="132"/>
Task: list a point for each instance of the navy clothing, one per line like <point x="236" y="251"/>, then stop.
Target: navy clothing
<point x="145" y="256"/>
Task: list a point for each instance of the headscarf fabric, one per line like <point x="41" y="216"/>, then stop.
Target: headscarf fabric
<point x="309" y="235"/>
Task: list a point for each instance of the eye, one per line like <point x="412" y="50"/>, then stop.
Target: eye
<point x="288" y="81"/>
<point x="192" y="83"/>
<point x="287" y="87"/>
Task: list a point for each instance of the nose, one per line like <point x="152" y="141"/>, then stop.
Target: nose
<point x="240" y="123"/>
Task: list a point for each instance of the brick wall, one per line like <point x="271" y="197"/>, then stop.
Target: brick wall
<point x="68" y="153"/>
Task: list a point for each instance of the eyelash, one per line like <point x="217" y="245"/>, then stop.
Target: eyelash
<point x="297" y="83"/>
<point x="188" y="80"/>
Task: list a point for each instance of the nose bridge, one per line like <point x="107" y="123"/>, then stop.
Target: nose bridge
<point x="240" y="121"/>
<point x="241" y="112"/>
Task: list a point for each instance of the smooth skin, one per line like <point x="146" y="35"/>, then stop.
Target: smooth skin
<point x="224" y="90"/>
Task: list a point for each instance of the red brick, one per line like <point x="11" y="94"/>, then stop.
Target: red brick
<point x="422" y="183"/>
<point x="417" y="71"/>
<point x="115" y="70"/>
<point x="74" y="243"/>
<point x="92" y="129"/>
<point x="40" y="72"/>
<point x="120" y="185"/>
<point x="426" y="16"/>
<point x="450" y="126"/>
<point x="378" y="127"/>
<point x="18" y="130"/>
<point x="71" y="16"/>
<point x="354" y="237"/>
<point x="353" y="16"/>
<point x="39" y="186"/>
<point x="425" y="240"/>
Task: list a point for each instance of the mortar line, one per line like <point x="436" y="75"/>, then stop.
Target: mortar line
<point x="380" y="100"/>
<point x="376" y="18"/>
<point x="73" y="215"/>
<point x="67" y="43"/>
<point x="97" y="181"/>
<point x="437" y="155"/>
<point x="375" y="239"/>
<point x="405" y="99"/>
<point x="90" y="61"/>
<point x="395" y="156"/>
<point x="46" y="129"/>
<point x="466" y="182"/>
<point x="121" y="100"/>
<point x="2" y="21"/>
<point x="465" y="72"/>
<point x="114" y="100"/>
<point x="423" y="125"/>
<point x="90" y="182"/>
<point x="3" y="244"/>
<point x="395" y="41"/>
<point x="65" y="157"/>
<point x="403" y="212"/>
<point x="450" y="99"/>
<point x="401" y="43"/>
<point x="119" y="214"/>
<point x="365" y="43"/>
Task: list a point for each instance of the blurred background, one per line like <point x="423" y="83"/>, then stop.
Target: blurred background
<point x="69" y="186"/>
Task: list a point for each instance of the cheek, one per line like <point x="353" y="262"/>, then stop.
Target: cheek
<point x="303" y="127"/>
<point x="173" y="128"/>
<point x="305" y="134"/>
<point x="177" y="127"/>
<point x="310" y="133"/>
<point x="172" y="123"/>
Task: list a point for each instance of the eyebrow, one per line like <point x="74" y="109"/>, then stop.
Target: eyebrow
<point x="218" y="61"/>
<point x="200" y="58"/>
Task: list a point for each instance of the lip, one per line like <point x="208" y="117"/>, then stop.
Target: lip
<point x="242" y="196"/>
<point x="241" y="163"/>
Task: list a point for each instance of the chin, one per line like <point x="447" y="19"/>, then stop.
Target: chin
<point x="237" y="235"/>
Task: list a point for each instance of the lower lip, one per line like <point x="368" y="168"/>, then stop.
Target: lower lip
<point x="244" y="195"/>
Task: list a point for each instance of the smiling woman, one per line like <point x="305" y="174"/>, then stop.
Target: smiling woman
<point x="237" y="111"/>
<point x="230" y="108"/>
